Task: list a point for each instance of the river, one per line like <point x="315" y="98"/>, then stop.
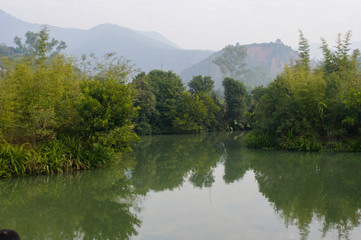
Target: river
<point x="206" y="186"/>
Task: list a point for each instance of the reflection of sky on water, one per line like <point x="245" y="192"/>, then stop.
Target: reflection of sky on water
<point x="164" y="196"/>
<point x="233" y="211"/>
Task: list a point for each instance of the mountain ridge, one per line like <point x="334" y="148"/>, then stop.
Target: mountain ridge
<point x="148" y="50"/>
<point x="263" y="62"/>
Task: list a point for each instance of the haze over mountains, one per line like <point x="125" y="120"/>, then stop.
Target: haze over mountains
<point x="263" y="62"/>
<point x="150" y="50"/>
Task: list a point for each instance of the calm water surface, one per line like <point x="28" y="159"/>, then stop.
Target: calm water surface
<point x="193" y="187"/>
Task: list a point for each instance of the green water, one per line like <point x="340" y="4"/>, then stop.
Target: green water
<point x="193" y="187"/>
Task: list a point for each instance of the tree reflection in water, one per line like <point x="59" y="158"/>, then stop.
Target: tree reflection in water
<point x="164" y="163"/>
<point x="105" y="203"/>
<point x="87" y="205"/>
<point x="301" y="186"/>
<point x="304" y="186"/>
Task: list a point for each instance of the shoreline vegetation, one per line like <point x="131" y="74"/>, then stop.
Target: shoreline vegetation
<point x="312" y="107"/>
<point x="58" y="114"/>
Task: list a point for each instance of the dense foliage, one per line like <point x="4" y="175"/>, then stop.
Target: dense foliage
<point x="56" y="116"/>
<point x="237" y="104"/>
<point x="307" y="108"/>
<point x="166" y="106"/>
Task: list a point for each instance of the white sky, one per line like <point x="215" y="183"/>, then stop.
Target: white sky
<point x="202" y="24"/>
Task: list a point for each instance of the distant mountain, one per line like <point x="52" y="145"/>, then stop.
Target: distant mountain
<point x="264" y="61"/>
<point x="11" y="27"/>
<point x="159" y="37"/>
<point x="148" y="50"/>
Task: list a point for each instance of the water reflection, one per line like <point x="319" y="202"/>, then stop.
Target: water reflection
<point x="107" y="203"/>
<point x="164" y="163"/>
<point x="304" y="186"/>
<point x="236" y="163"/>
<point x="87" y="205"/>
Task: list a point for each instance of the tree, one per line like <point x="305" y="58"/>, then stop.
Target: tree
<point x="165" y="106"/>
<point x="304" y="51"/>
<point x="145" y="100"/>
<point x="158" y="94"/>
<point x="191" y="113"/>
<point x="56" y="117"/>
<point x="201" y="84"/>
<point x="235" y="95"/>
<point x="168" y="89"/>
<point x="7" y="51"/>
<point x="38" y="103"/>
<point x="106" y="107"/>
<point x="231" y="61"/>
<point x="39" y="44"/>
<point x="312" y="110"/>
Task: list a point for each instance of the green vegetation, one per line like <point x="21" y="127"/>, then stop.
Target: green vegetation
<point x="56" y="116"/>
<point x="38" y="44"/>
<point x="312" y="108"/>
<point x="237" y="102"/>
<point x="166" y="107"/>
<point x="231" y="61"/>
<point x="59" y="115"/>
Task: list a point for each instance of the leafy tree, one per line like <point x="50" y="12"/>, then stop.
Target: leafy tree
<point x="235" y="95"/>
<point x="7" y="51"/>
<point x="232" y="61"/>
<point x="106" y="107"/>
<point x="39" y="44"/>
<point x="197" y="113"/>
<point x="201" y="84"/>
<point x="38" y="103"/>
<point x="168" y="89"/>
<point x="304" y="51"/>
<point x="165" y="106"/>
<point x="190" y="115"/>
<point x="214" y="111"/>
<point x="145" y="100"/>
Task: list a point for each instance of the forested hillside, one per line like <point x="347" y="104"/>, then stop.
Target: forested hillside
<point x="263" y="62"/>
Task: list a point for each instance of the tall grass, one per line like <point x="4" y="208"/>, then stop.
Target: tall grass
<point x="57" y="156"/>
<point x="14" y="159"/>
<point x="259" y="139"/>
<point x="308" y="142"/>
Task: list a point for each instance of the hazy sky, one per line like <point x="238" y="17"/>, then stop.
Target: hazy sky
<point x="202" y="24"/>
